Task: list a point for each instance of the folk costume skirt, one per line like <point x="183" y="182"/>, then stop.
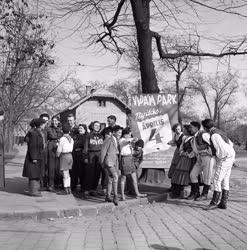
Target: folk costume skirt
<point x="181" y="174"/>
<point x="175" y="160"/>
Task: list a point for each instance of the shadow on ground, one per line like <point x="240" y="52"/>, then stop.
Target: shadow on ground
<point x="19" y="185"/>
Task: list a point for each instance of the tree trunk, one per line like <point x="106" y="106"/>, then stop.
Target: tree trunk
<point x="141" y="13"/>
<point x="218" y="120"/>
<point x="9" y="129"/>
<point x="179" y="101"/>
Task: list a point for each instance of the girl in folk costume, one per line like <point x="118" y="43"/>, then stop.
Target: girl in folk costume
<point x="127" y="165"/>
<point x="64" y="152"/>
<point x="176" y="141"/>
<point x="181" y="175"/>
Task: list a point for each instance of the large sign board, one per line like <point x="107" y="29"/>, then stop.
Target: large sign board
<point x="152" y="118"/>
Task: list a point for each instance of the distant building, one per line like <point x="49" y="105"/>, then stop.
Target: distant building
<point x="97" y="106"/>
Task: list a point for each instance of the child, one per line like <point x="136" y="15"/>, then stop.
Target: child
<point x="64" y="152"/>
<point x="137" y="153"/>
<point x="127" y="162"/>
<point x="181" y="174"/>
<point x="109" y="160"/>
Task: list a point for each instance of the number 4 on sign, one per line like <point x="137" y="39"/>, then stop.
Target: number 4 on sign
<point x="155" y="135"/>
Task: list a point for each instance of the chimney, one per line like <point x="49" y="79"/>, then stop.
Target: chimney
<point x="88" y="90"/>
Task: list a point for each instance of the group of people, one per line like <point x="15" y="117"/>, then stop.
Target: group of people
<point x="203" y="154"/>
<point x="62" y="157"/>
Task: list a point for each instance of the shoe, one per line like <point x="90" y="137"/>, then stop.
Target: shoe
<point x="63" y="192"/>
<point x="93" y="193"/>
<point x="204" y="195"/>
<point x="183" y="195"/>
<point x="84" y="195"/>
<point x="35" y="194"/>
<point x="213" y="204"/>
<point x="195" y="192"/>
<point x="102" y="193"/>
<point x="108" y="199"/>
<point x="51" y="189"/>
<point x="115" y="200"/>
<point x="224" y="198"/>
<point x="122" y="199"/>
<point x="141" y="195"/>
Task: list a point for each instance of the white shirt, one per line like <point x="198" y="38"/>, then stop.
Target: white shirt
<point x="223" y="149"/>
<point x="64" y="146"/>
<point x="125" y="147"/>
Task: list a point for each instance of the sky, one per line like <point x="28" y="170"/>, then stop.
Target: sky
<point x="103" y="68"/>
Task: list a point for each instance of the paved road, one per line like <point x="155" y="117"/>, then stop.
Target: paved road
<point x="175" y="224"/>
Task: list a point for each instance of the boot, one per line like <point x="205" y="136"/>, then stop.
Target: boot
<point x="182" y="194"/>
<point x="43" y="186"/>
<point x="192" y="190"/>
<point x="195" y="193"/>
<point x="175" y="192"/>
<point x="204" y="195"/>
<point x="34" y="188"/>
<point x="63" y="192"/>
<point x="224" y="198"/>
<point x="51" y="189"/>
<point x="214" y="201"/>
<point x="108" y="199"/>
<point x="170" y="188"/>
<point x="69" y="190"/>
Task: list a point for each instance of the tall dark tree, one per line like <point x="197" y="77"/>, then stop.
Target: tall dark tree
<point x="113" y="22"/>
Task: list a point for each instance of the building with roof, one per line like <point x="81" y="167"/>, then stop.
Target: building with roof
<point x="97" y="105"/>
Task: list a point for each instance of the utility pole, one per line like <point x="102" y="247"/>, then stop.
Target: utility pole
<point x="2" y="169"/>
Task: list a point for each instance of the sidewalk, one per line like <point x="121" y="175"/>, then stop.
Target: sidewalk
<point x="15" y="202"/>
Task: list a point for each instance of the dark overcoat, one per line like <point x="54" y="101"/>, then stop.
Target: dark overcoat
<point x="35" y="151"/>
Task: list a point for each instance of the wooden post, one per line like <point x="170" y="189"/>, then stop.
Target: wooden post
<point x="2" y="170"/>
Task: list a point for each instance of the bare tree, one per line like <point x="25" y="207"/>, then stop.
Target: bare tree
<point x="123" y="90"/>
<point x="111" y="24"/>
<point x="217" y="92"/>
<point x="24" y="50"/>
<point x="179" y="65"/>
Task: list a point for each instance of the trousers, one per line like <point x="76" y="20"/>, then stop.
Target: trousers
<point x="222" y="174"/>
<point x="203" y="164"/>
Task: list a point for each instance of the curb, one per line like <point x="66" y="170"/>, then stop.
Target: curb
<point x="79" y="211"/>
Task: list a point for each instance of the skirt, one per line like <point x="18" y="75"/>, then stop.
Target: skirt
<point x="66" y="161"/>
<point x="181" y="175"/>
<point x="127" y="165"/>
<point x="175" y="160"/>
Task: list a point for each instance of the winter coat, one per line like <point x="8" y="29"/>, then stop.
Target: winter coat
<point x="35" y="151"/>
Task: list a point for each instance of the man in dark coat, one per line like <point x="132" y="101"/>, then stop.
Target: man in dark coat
<point x="54" y="133"/>
<point x="34" y="161"/>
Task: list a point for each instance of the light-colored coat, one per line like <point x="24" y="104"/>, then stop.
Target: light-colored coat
<point x="109" y="153"/>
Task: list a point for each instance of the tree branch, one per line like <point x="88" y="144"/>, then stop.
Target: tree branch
<point x="165" y="55"/>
